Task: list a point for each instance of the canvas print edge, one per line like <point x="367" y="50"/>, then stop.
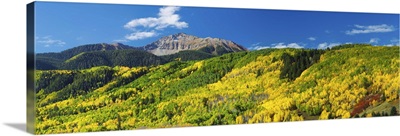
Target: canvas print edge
<point x="28" y="75"/>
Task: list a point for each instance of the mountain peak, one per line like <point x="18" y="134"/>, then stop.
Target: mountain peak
<point x="117" y="44"/>
<point x="181" y="41"/>
<point x="180" y="34"/>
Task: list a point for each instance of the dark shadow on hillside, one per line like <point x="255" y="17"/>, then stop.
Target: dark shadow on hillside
<point x="19" y="126"/>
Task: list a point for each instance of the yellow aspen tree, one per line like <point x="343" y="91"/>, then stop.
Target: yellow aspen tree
<point x="239" y="120"/>
<point x="369" y="115"/>
<point x="346" y="115"/>
<point x="324" y="115"/>
<point x="277" y="117"/>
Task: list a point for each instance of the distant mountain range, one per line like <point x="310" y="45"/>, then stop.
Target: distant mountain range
<point x="166" y="49"/>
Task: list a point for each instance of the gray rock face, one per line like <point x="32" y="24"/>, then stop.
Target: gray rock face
<point x="179" y="42"/>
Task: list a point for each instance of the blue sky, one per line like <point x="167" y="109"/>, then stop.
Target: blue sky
<point x="60" y="26"/>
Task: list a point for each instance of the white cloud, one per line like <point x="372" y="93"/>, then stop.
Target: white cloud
<point x="312" y="38"/>
<point x="390" y="45"/>
<point x="327" y="45"/>
<point x="140" y="35"/>
<point x="290" y="45"/>
<point x="47" y="41"/>
<point x="370" y="29"/>
<point x="259" y="47"/>
<point x="256" y="44"/>
<point x="166" y="18"/>
<point x="395" y="41"/>
<point x="277" y="45"/>
<point x="374" y="40"/>
<point x="145" y="22"/>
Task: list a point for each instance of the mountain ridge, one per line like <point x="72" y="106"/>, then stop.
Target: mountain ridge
<point x="181" y="41"/>
<point x="176" y="42"/>
<point x="167" y="48"/>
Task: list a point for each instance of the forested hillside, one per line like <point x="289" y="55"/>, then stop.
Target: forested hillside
<point x="178" y="46"/>
<point x="54" y="60"/>
<point x="87" y="56"/>
<point x="270" y="85"/>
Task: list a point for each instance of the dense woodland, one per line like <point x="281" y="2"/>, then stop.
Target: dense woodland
<point x="93" y="55"/>
<point x="270" y="85"/>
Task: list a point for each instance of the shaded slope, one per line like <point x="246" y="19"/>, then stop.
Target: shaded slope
<point x="54" y="60"/>
<point x="129" y="58"/>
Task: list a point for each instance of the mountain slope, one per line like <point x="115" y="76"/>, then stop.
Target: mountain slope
<point x="128" y="58"/>
<point x="63" y="55"/>
<point x="188" y="55"/>
<point x="180" y="42"/>
<point x="235" y="88"/>
<point x="46" y="61"/>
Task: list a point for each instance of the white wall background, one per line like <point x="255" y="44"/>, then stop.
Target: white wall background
<point x="13" y="63"/>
